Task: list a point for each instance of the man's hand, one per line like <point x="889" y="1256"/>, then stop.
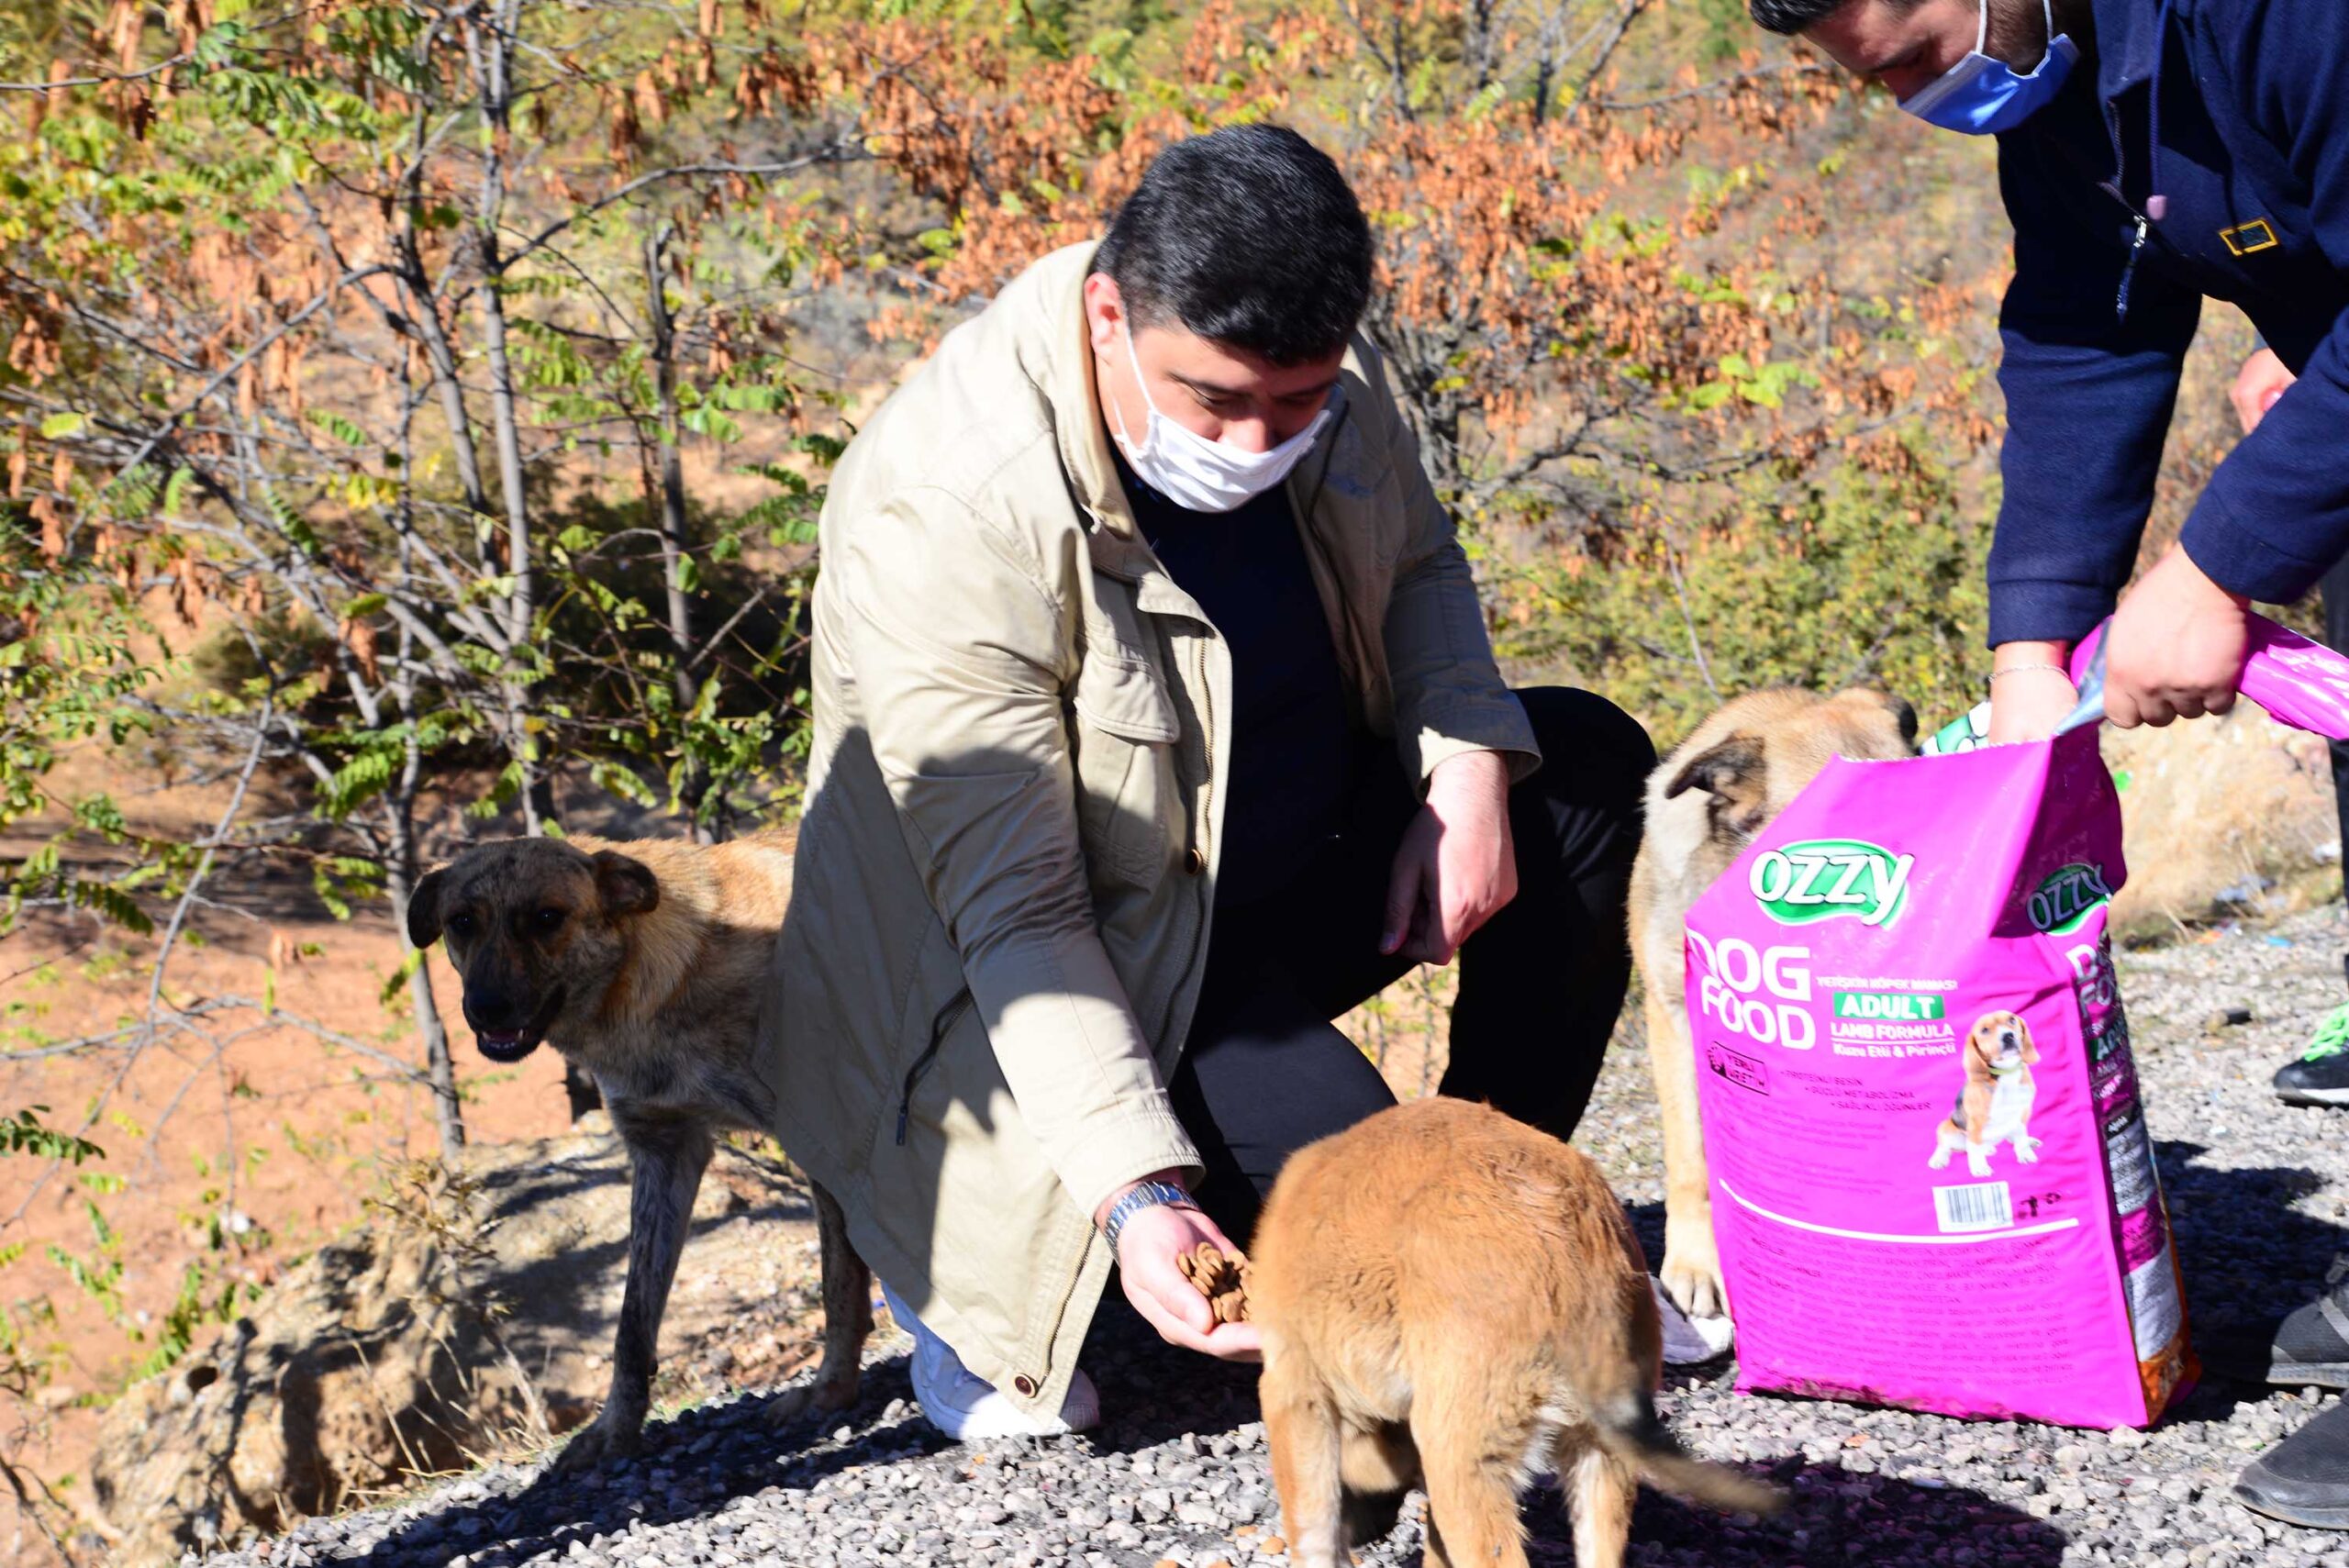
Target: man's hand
<point x="2258" y="384"/>
<point x="2029" y="693"/>
<point x="2176" y="647"/>
<point x="1148" y="1245"/>
<point x="1456" y="867"/>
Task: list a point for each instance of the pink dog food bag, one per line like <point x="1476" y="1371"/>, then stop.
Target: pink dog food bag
<point x="1905" y="938"/>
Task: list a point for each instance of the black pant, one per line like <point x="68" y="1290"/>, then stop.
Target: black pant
<point x="1264" y="1070"/>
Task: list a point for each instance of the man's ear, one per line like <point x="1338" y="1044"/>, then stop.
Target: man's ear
<point x="626" y="886"/>
<point x="1718" y="767"/>
<point x="424" y="911"/>
<point x="1105" y="313"/>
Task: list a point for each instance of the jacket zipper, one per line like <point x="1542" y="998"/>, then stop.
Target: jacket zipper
<point x="948" y="1016"/>
<point x="2128" y="271"/>
<point x="2117" y="190"/>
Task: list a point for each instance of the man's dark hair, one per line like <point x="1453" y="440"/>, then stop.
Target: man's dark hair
<point x="1248" y="236"/>
<point x="1792" y="16"/>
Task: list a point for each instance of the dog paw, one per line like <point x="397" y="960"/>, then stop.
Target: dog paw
<point x="1692" y="1271"/>
<point x="599" y="1440"/>
<point x="809" y="1399"/>
<point x="2027" y="1150"/>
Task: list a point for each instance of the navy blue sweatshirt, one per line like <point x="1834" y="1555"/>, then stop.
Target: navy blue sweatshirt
<point x="2237" y="112"/>
<point x="1294" y="749"/>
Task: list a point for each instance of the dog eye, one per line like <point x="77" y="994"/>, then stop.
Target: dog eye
<point x="550" y="919"/>
<point x="461" y="924"/>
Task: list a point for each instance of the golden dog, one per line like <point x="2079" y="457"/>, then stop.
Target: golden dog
<point x="1450" y="1299"/>
<point x="1705" y="803"/>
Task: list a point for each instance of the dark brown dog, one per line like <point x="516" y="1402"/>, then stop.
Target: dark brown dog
<point x="1450" y="1299"/>
<point x="1705" y="803"/>
<point x="643" y="965"/>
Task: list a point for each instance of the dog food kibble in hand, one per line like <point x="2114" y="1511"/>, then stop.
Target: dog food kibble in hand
<point x="1221" y="1277"/>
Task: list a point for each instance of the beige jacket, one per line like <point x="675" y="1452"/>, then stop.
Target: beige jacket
<point x="1000" y="906"/>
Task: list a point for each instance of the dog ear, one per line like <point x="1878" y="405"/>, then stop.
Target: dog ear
<point x="1902" y="713"/>
<point x="2030" y="1043"/>
<point x="1716" y="768"/>
<point x="424" y="911"/>
<point x="627" y="886"/>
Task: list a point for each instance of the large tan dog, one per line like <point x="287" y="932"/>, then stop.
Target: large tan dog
<point x="1452" y="1299"/>
<point x="642" y="964"/>
<point x="1705" y="803"/>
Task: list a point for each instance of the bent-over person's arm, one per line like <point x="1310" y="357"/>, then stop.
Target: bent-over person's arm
<point x="1448" y="694"/>
<point x="962" y="654"/>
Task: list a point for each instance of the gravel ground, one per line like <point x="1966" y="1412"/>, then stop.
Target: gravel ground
<point x="1177" y="1473"/>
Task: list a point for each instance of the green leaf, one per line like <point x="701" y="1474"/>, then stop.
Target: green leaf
<point x="56" y="427"/>
<point x="339" y="427"/>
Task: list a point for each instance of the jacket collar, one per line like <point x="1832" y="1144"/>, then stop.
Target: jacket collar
<point x="2128" y="42"/>
<point x="1067" y="373"/>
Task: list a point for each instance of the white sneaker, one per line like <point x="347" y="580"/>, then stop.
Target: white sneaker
<point x="1690" y="1342"/>
<point x="957" y="1402"/>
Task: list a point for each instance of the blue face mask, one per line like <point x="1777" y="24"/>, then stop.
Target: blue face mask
<point x="1981" y="95"/>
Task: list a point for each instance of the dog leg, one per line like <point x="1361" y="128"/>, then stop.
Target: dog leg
<point x="1978" y="1160"/>
<point x="2026" y="1147"/>
<point x="1600" y="1494"/>
<point x="1374" y="1469"/>
<point x="666" y="1158"/>
<point x="1472" y="1496"/>
<point x="1941" y="1151"/>
<point x="1692" y="1266"/>
<point x="848" y="1319"/>
<point x="1301" y="1430"/>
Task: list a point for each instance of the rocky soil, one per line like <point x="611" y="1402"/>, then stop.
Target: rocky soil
<point x="1177" y="1472"/>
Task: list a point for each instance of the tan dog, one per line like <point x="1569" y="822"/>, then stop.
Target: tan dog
<point x="1452" y="1299"/>
<point x="643" y="965"/>
<point x="1705" y="803"/>
<point x="1995" y="1105"/>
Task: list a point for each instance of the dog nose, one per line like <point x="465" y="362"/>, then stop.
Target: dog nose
<point x="493" y="1008"/>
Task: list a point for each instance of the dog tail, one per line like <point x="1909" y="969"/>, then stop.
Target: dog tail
<point x="1635" y="1434"/>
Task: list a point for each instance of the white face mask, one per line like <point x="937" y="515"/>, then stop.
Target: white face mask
<point x="1195" y="472"/>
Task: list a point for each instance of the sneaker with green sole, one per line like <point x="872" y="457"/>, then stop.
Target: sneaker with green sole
<point x="2320" y="1077"/>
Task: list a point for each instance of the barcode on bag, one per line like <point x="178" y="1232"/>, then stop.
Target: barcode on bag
<point x="1982" y="1207"/>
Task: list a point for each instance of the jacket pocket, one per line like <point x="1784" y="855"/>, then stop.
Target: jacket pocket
<point x="1124" y="728"/>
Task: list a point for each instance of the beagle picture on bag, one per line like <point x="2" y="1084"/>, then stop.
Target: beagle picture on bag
<point x="1995" y="1105"/>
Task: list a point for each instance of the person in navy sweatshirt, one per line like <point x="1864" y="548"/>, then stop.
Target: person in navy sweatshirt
<point x="2152" y="153"/>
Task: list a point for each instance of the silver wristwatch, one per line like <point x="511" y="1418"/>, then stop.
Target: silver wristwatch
<point x="1145" y="1195"/>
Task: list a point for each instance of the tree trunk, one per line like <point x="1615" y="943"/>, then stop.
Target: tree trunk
<point x="439" y="1064"/>
<point x="492" y="81"/>
<point x="693" y="784"/>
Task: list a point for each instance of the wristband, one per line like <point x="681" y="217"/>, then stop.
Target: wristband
<point x="1145" y="1195"/>
<point x="2031" y="669"/>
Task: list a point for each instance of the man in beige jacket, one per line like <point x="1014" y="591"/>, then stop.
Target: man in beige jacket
<point x="1156" y="726"/>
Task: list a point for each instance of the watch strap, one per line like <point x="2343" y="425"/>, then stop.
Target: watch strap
<point x="1143" y="1195"/>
